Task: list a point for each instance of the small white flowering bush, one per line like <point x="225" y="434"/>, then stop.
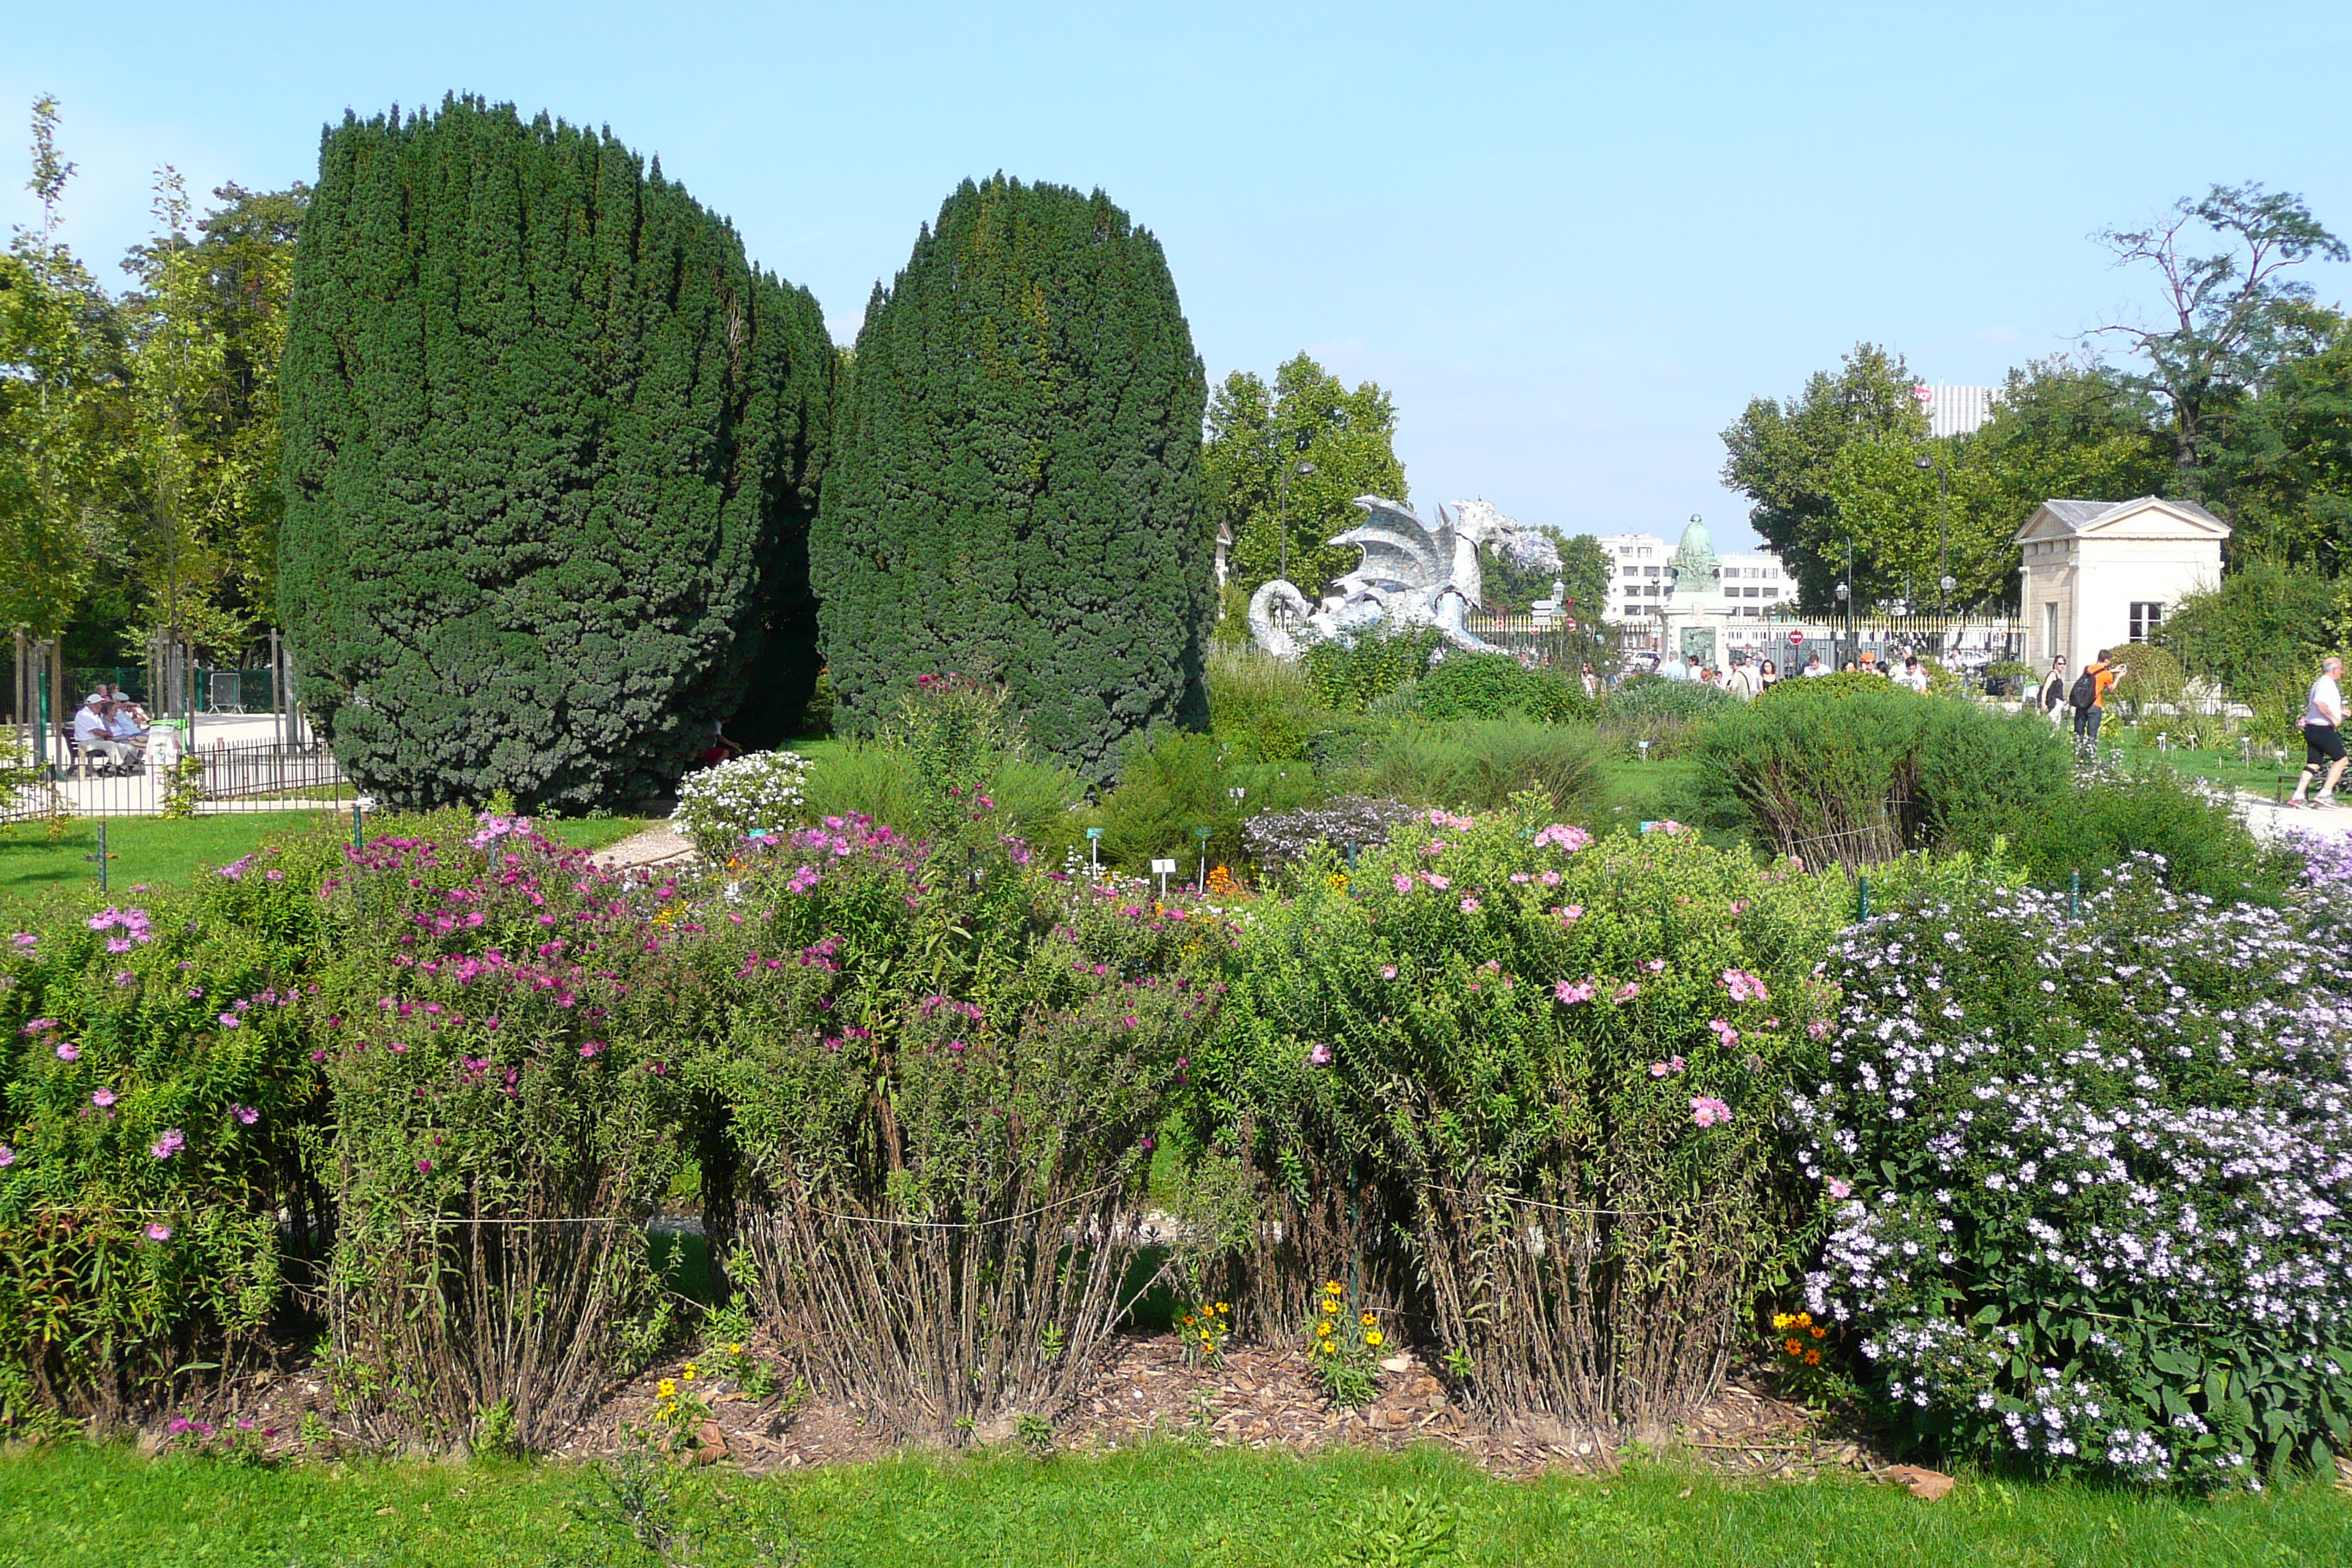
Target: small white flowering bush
<point x="761" y="792"/>
<point x="2089" y="1179"/>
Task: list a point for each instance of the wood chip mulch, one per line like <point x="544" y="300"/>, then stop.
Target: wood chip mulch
<point x="1142" y="1390"/>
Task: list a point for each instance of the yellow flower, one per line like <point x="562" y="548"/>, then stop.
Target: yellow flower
<point x="1188" y="1320"/>
<point x="666" y="1388"/>
<point x="1804" y="1319"/>
<point x="1373" y="1339"/>
<point x="691" y="1369"/>
<point x="1781" y="1319"/>
<point x="1207" y="1343"/>
<point x="1222" y="1308"/>
<point x="1323" y="1328"/>
<point x="1330" y="1349"/>
<point x="1330" y="1305"/>
<point x="1330" y="1286"/>
<point x="1368" y="1320"/>
<point x="669" y="1410"/>
<point x="735" y="1350"/>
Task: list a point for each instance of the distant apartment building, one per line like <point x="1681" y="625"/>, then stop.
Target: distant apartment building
<point x="1691" y="581"/>
<point x="1955" y="410"/>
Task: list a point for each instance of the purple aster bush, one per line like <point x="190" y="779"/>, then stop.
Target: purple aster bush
<point x="936" y="1072"/>
<point x="1522" y="1085"/>
<point x="159" y="1117"/>
<point x="2098" y="1174"/>
<point x="503" y="1060"/>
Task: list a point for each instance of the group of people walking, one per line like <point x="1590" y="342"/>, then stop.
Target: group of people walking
<point x="2084" y="696"/>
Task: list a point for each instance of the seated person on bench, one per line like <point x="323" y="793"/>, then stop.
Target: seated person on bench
<point x="123" y="724"/>
<point x="93" y="738"/>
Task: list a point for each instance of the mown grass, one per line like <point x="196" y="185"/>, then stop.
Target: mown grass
<point x="154" y="852"/>
<point x="1161" y="1505"/>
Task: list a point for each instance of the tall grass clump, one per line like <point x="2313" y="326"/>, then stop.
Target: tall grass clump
<point x="1478" y="765"/>
<point x="1261" y="708"/>
<point x="1856" y="771"/>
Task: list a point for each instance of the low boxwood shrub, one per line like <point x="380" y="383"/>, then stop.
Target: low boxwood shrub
<point x="2088" y="1180"/>
<point x="940" y="1076"/>
<point x="1523" y="1088"/>
<point x="160" y="1170"/>
<point x="1497" y="686"/>
<point x="509" y="1114"/>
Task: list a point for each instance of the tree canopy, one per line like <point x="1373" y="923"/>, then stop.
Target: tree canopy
<point x="1308" y="417"/>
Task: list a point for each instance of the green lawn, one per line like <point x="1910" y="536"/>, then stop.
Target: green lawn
<point x="1151" y="1507"/>
<point x="154" y="852"/>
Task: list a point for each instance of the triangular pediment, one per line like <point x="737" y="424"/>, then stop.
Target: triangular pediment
<point x="2146" y="517"/>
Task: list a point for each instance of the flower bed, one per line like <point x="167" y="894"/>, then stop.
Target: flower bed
<point x="2090" y="1178"/>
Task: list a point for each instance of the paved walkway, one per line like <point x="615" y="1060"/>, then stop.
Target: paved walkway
<point x="2272" y="822"/>
<point x="658" y="845"/>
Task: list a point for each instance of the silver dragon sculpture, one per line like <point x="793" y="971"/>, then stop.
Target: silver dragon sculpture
<point x="1414" y="574"/>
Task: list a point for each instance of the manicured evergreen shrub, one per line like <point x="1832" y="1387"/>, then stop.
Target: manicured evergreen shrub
<point x="551" y="450"/>
<point x="2088" y="1179"/>
<point x="1017" y="486"/>
<point x="1524" y="1089"/>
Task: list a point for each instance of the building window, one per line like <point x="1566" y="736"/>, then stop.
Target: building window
<point x="2050" y="648"/>
<point x="2146" y="615"/>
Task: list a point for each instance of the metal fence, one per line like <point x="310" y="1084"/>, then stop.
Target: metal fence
<point x="210" y="779"/>
<point x="1970" y="643"/>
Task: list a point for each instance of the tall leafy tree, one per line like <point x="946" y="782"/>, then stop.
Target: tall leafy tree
<point x="1346" y="436"/>
<point x="2281" y="467"/>
<point x="63" y="423"/>
<point x="549" y="438"/>
<point x="2224" y="319"/>
<point x="1784" y="458"/>
<point x="1016" y="489"/>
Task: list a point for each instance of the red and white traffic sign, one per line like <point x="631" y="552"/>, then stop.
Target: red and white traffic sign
<point x="1796" y="639"/>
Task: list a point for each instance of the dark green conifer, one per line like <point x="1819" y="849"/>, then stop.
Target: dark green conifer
<point x="1016" y="485"/>
<point x="551" y="450"/>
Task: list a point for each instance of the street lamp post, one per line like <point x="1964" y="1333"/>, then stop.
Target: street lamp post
<point x="1943" y="542"/>
<point x="1846" y="599"/>
<point x="1282" y="543"/>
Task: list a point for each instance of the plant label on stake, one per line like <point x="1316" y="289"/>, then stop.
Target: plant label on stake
<point x="1202" y="835"/>
<point x="1163" y="869"/>
<point x="1094" y="852"/>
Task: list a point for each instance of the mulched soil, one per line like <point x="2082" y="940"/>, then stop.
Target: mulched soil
<point x="1142" y="1390"/>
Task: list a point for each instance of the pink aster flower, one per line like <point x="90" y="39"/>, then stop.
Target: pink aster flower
<point x="231" y="1021"/>
<point x="1401" y="882"/>
<point x="1723" y="1032"/>
<point x="1321" y="1057"/>
<point x="1548" y="879"/>
<point x="1469" y="906"/>
<point x="7" y="1156"/>
<point x="68" y="1052"/>
<point x="1436" y="881"/>
<point x="588" y="1051"/>
<point x="1388" y="972"/>
<point x="158" y="1231"/>
<point x="170" y="1143"/>
<point x="1569" y="996"/>
<point x="426" y="1166"/>
<point x="101" y="1098"/>
<point x="245" y="1114"/>
<point x="1571" y="914"/>
<point x="1840" y="1189"/>
<point x="1626" y="992"/>
<point x="1708" y="1111"/>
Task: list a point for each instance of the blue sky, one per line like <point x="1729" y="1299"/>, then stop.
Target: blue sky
<point x="1572" y="240"/>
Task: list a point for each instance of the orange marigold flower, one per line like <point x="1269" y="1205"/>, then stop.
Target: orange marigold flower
<point x="1813" y="1358"/>
<point x="1794" y="1348"/>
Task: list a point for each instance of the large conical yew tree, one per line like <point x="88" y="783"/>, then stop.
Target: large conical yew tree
<point x="1016" y="486"/>
<point x="552" y="451"/>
